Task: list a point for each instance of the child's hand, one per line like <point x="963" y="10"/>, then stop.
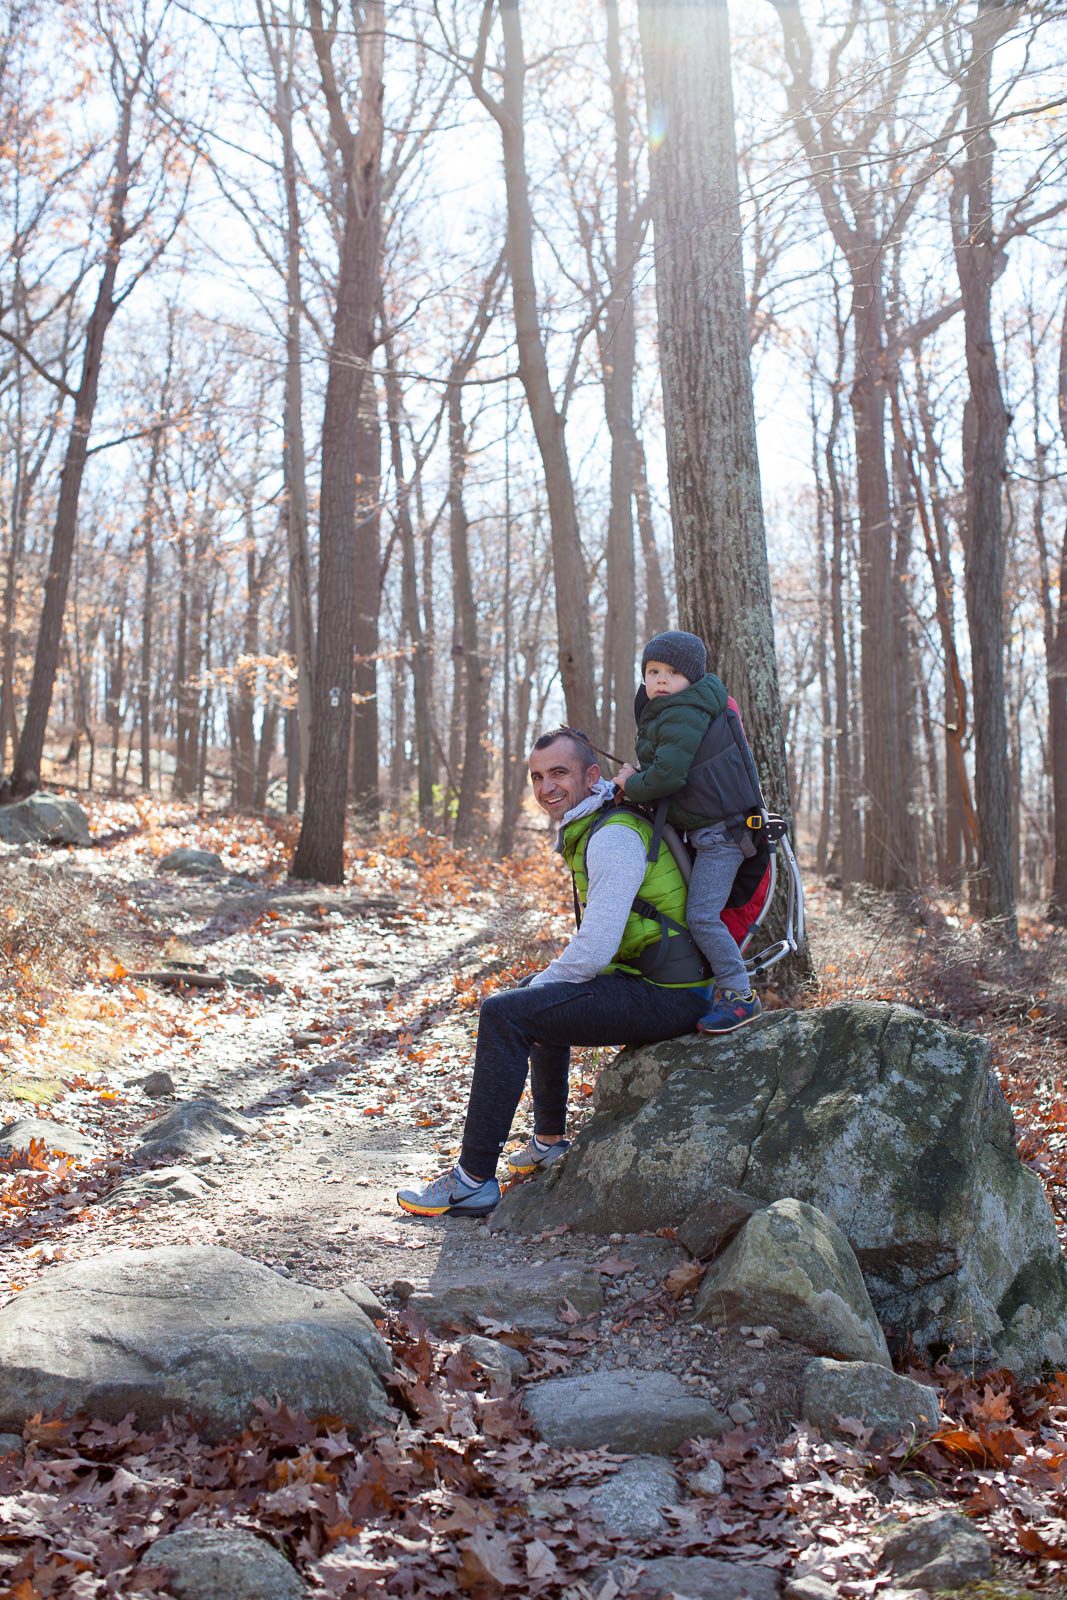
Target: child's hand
<point x="624" y="772"/>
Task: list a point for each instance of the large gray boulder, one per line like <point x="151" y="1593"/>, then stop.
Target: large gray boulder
<point x="44" y="819"/>
<point x="890" y="1123"/>
<point x="199" y="1332"/>
<point x="790" y="1267"/>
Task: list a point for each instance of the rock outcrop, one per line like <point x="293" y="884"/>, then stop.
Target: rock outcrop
<point x="193" y="1331"/>
<point x="44" y="819"/>
<point x="891" y="1124"/>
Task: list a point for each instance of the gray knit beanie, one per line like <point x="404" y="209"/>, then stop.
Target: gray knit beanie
<point x="682" y="651"/>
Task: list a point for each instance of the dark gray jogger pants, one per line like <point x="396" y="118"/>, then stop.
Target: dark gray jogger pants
<point x="534" y="1028"/>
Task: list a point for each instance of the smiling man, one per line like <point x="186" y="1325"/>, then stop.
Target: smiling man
<point x="630" y="975"/>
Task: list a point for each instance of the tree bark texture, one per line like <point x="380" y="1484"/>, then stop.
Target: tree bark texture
<point x="320" y="848"/>
<point x="720" y="547"/>
<point x="992" y="884"/>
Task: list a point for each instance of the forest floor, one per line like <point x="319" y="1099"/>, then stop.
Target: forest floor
<point x="353" y="1056"/>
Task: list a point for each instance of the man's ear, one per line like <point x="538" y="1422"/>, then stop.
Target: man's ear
<point x="592" y="777"/>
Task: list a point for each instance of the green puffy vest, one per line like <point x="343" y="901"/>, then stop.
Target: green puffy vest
<point x="662" y="886"/>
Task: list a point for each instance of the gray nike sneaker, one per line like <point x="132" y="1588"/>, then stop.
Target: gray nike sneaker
<point x="533" y="1156"/>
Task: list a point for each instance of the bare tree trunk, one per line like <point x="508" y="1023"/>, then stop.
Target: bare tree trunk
<point x="617" y="353"/>
<point x="1056" y="666"/>
<point x="366" y="796"/>
<point x="320" y="849"/>
<point x="409" y="599"/>
<point x="657" y="616"/>
<point x="294" y="460"/>
<point x="26" y="772"/>
<point x="850" y="848"/>
<point x="571" y="583"/>
<point x="717" y="512"/>
<point x="992" y="884"/>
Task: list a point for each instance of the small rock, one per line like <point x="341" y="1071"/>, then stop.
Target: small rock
<point x="19" y="1135"/>
<point x="699" y="1578"/>
<point x="190" y="863"/>
<point x="157" y="1083"/>
<point x="403" y="1288"/>
<point x="740" y="1413"/>
<point x="500" y="1361"/>
<point x="711" y="1226"/>
<point x="162" y="1183"/>
<point x="209" y="1563"/>
<point x="245" y="978"/>
<point x="376" y="978"/>
<point x="627" y="1411"/>
<point x="527" y="1297"/>
<point x="710" y="1480"/>
<point x="301" y="1098"/>
<point x="810" y="1588"/>
<point x="882" y="1400"/>
<point x="11" y="1444"/>
<point x="630" y="1504"/>
<point x="192" y="1127"/>
<point x="364" y="1297"/>
<point x="304" y="1039"/>
<point x="940" y="1551"/>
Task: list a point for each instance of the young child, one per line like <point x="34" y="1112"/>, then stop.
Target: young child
<point x="683" y="700"/>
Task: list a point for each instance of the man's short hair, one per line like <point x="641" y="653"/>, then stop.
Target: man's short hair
<point x="578" y="741"/>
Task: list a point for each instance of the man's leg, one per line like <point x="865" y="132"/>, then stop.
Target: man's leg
<point x="609" y="1009"/>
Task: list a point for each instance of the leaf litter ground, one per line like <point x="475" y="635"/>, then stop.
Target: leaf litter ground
<point x="351" y="1051"/>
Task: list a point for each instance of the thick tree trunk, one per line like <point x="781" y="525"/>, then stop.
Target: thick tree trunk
<point x="985" y="435"/>
<point x="320" y="849"/>
<point x="717" y="512"/>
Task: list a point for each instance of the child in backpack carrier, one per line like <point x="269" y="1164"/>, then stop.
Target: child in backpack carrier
<point x="676" y="706"/>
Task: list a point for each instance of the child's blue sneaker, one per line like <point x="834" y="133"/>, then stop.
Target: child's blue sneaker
<point x="452" y="1193"/>
<point x="731" y="1010"/>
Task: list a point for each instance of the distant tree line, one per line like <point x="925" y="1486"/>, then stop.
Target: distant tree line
<point x="374" y="378"/>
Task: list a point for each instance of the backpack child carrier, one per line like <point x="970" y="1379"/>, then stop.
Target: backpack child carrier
<point x="723" y="782"/>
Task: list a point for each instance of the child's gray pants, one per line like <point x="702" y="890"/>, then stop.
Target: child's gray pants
<point x="714" y="871"/>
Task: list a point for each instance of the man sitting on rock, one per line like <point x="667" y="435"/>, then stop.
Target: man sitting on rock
<point x="630" y="975"/>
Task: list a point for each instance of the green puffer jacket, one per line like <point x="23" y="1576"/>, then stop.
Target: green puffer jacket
<point x="662" y="886"/>
<point x="669" y="729"/>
